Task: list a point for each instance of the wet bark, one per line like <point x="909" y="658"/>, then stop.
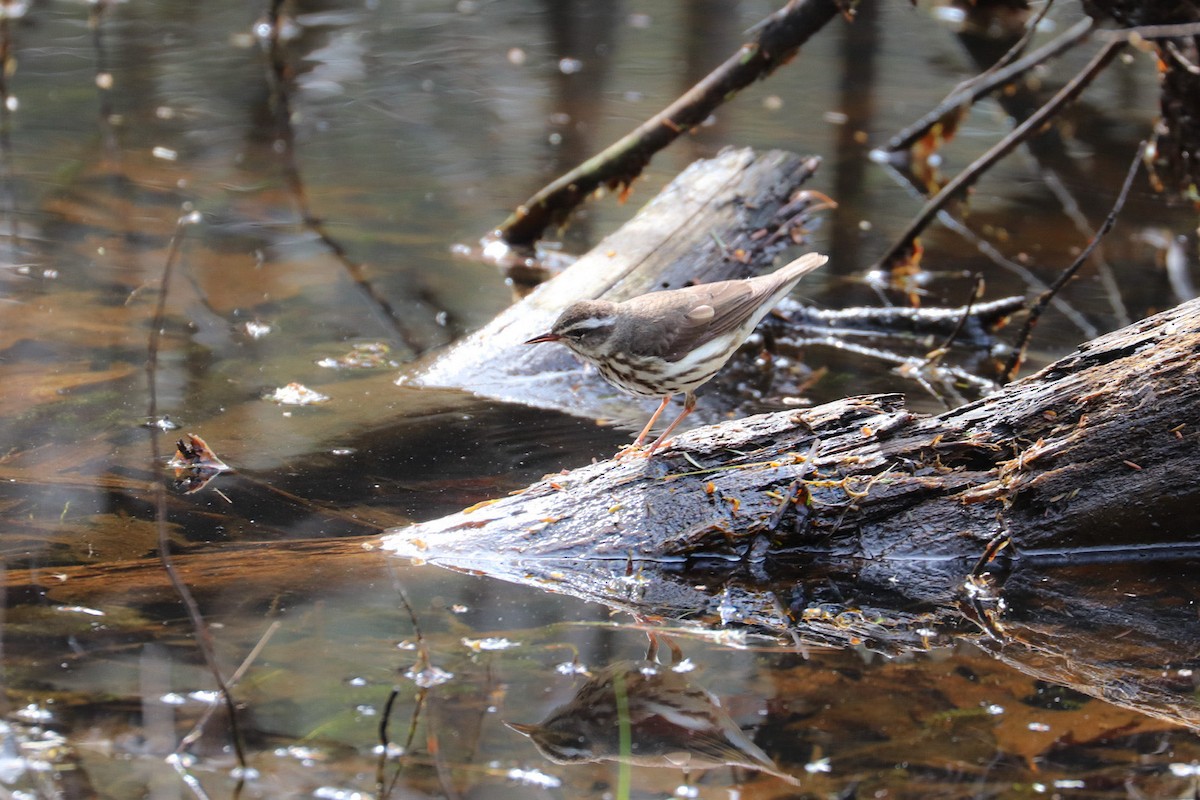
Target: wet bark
<point x="1084" y="452"/>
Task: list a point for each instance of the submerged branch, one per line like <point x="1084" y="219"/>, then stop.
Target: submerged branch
<point x="203" y="634"/>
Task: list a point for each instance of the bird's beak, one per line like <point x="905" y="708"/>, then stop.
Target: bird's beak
<point x="523" y="729"/>
<point x="545" y="337"/>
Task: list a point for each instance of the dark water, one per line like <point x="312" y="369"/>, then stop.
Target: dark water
<point x="416" y="126"/>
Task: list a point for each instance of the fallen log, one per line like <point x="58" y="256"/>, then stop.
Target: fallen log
<point x="860" y="522"/>
<point x="1086" y="447"/>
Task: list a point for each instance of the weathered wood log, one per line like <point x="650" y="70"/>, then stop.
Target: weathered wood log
<point x="859" y="521"/>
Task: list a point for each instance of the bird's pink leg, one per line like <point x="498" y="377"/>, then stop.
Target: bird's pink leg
<point x="689" y="403"/>
<point x="637" y="443"/>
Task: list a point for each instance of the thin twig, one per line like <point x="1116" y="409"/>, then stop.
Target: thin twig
<point x="250" y="658"/>
<point x="1035" y="313"/>
<point x="976" y="295"/>
<point x="968" y="176"/>
<point x="203" y="635"/>
<point x="986" y="83"/>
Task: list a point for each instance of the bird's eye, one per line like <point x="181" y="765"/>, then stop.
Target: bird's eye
<point x="587" y="334"/>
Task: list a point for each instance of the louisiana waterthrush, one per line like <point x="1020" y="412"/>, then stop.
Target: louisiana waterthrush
<point x="663" y="343"/>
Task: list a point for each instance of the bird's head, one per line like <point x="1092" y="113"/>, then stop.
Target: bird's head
<point x="586" y="327"/>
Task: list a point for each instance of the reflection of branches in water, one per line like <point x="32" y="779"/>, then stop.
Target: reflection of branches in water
<point x="96" y="12"/>
<point x="278" y="78"/>
<point x="989" y="251"/>
<point x="963" y="180"/>
<point x="7" y="103"/>
<point x="237" y="675"/>
<point x="1035" y="313"/>
<point x="203" y="635"/>
<point x="421" y="672"/>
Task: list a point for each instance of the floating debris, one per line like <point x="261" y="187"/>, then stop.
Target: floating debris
<point x="429" y="677"/>
<point x="33" y="713"/>
<point x="80" y="610"/>
<point x="195" y="464"/>
<point x="193" y="452"/>
<point x="490" y="643"/>
<point x="296" y="394"/>
<point x="255" y="329"/>
<point x="571" y="668"/>
<point x="534" y="777"/>
<point x="369" y="355"/>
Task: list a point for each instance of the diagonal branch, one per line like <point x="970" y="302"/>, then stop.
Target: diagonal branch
<point x="1035" y="313"/>
<point x="963" y="180"/>
<point x="986" y="84"/>
<point x="779" y="37"/>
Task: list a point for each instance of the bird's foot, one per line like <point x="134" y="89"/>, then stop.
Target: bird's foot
<point x="629" y="450"/>
<point x="635" y="450"/>
<point x="659" y="445"/>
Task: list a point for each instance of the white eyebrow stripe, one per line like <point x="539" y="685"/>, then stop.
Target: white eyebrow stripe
<point x="591" y="324"/>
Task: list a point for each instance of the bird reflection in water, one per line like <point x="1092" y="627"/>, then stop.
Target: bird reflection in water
<point x="647" y="714"/>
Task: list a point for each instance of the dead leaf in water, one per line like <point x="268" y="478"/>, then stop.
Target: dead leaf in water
<point x="195" y="464"/>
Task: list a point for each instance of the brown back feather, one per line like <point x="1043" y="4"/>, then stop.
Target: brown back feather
<point x="667" y="331"/>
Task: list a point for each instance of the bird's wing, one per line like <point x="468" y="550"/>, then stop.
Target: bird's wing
<point x="718" y="308"/>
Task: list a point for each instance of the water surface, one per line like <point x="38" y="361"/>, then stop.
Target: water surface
<point x="414" y="127"/>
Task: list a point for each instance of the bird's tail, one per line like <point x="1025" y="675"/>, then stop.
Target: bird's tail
<point x="801" y="266"/>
